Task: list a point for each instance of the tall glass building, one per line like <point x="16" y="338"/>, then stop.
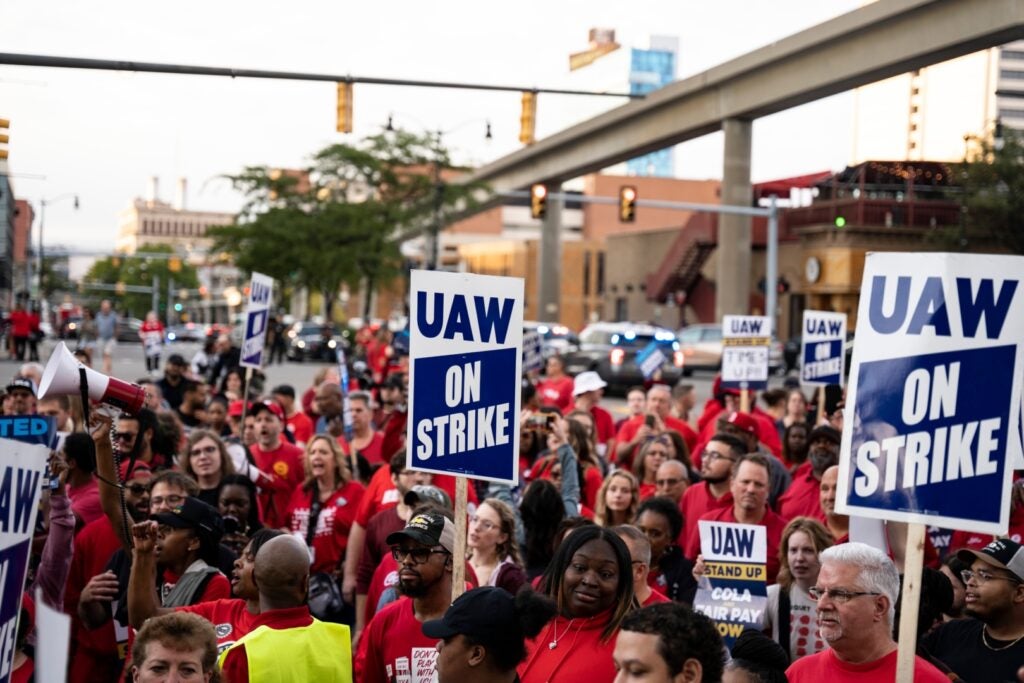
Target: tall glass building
<point x="650" y="70"/>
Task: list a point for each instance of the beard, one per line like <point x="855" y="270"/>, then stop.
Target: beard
<point x="718" y="480"/>
<point x="412" y="589"/>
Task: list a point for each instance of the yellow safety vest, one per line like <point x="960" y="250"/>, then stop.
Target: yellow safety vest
<point x="320" y="652"/>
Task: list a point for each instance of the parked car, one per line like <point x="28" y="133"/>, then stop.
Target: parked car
<point x="309" y="340"/>
<point x="128" y="329"/>
<point x="69" y="328"/>
<point x="702" y="349"/>
<point x="611" y="349"/>
<point x="187" y="332"/>
<point x="554" y="339"/>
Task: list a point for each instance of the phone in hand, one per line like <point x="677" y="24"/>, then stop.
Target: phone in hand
<point x="649" y="421"/>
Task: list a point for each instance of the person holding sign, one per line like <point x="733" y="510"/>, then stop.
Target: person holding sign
<point x="591" y="581"/>
<point x="856" y="604"/>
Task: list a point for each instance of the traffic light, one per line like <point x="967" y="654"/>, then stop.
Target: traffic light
<point x="538" y="200"/>
<point x="174" y="264"/>
<point x="627" y="203"/>
<point x="178" y="307"/>
<point x="840" y="222"/>
<point x="528" y="119"/>
<point x="4" y="138"/>
<point x="344" y="107"/>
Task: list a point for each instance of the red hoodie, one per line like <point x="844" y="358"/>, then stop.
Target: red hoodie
<point x="580" y="654"/>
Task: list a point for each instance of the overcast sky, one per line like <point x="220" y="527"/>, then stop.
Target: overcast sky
<point x="103" y="134"/>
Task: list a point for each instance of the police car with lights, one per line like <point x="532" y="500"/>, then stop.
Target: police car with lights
<point x="626" y="354"/>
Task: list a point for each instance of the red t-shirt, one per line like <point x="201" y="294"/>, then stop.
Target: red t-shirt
<point x="556" y="392"/>
<point x="373" y="451"/>
<point x="382" y="525"/>
<point x="85" y="501"/>
<point x="286" y="471"/>
<point x="332" y="526"/>
<point x="393" y="647"/>
<point x="628" y="431"/>
<point x="236" y="663"/>
<point x="580" y="654"/>
<point x="696" y="501"/>
<point x="300" y="426"/>
<point x="381" y="494"/>
<point x="803" y="497"/>
<point x="655" y="597"/>
<point x="647" y="491"/>
<point x="21" y="324"/>
<point x="771" y="521"/>
<point x="231" y="619"/>
<point x="825" y="666"/>
<point x="976" y="541"/>
<point x="393" y="426"/>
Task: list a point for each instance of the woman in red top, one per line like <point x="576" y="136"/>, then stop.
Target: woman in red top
<point x="152" y="335"/>
<point x="647" y="462"/>
<point x="21" y="328"/>
<point x="556" y="387"/>
<point x="329" y="495"/>
<point x="617" y="500"/>
<point x="591" y="581"/>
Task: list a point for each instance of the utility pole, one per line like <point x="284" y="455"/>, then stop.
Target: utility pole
<point x="156" y="295"/>
<point x="170" y="298"/>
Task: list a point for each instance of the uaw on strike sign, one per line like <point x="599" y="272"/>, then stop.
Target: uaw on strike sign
<point x="931" y="432"/>
<point x="465" y="364"/>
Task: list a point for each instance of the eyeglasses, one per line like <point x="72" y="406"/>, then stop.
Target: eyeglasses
<point x="484" y="524"/>
<point x="208" y="450"/>
<point x="838" y="595"/>
<point x="172" y="500"/>
<point x="668" y="482"/>
<point x="137" y="489"/>
<point x="418" y="555"/>
<point x="983" y="576"/>
<point x="125" y="436"/>
<point x="713" y="456"/>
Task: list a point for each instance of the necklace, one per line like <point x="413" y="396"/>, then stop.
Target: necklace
<point x="984" y="639"/>
<point x="554" y="639"/>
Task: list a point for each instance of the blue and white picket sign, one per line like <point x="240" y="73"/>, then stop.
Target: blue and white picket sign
<point x="22" y="473"/>
<point x="533" y="351"/>
<point x="651" y="358"/>
<point x="465" y="364"/>
<point x="745" y="343"/>
<point x="343" y="381"/>
<point x="821" y="349"/>
<point x="932" y="410"/>
<point x="733" y="591"/>
<point x="257" y="315"/>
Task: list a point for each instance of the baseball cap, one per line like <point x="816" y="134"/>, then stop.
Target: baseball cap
<point x="22" y="383"/>
<point x="268" y="405"/>
<point x="488" y="614"/>
<point x="825" y="432"/>
<point x="425" y="493"/>
<point x="139" y="471"/>
<point x="176" y="359"/>
<point x="235" y="408"/>
<point x="428" y="528"/>
<point x="587" y="381"/>
<point x="743" y="421"/>
<point x="284" y="390"/>
<point x="194" y="514"/>
<point x="1002" y="553"/>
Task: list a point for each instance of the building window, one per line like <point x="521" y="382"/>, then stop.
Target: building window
<point x="599" y="286"/>
<point x="1011" y="113"/>
<point x="1012" y="54"/>
<point x="1013" y="74"/>
<point x="586" y="273"/>
<point x="621" y="310"/>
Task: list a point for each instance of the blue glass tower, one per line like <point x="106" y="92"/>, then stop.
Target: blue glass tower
<point x="648" y="71"/>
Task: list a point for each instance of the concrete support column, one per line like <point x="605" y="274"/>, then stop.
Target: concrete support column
<point x="732" y="275"/>
<point x="549" y="260"/>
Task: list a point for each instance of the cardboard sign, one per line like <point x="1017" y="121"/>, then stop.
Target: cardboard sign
<point x="746" y="340"/>
<point x="931" y="431"/>
<point x="822" y="359"/>
<point x="465" y="365"/>
<point x="22" y="472"/>
<point x="257" y="315"/>
<point x="732" y="592"/>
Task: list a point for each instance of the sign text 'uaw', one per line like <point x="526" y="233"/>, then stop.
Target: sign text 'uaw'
<point x="746" y="340"/>
<point x="932" y="420"/>
<point x="822" y="357"/>
<point x="466" y="334"/>
<point x="257" y="316"/>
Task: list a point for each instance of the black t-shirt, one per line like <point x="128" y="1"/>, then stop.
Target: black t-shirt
<point x="172" y="393"/>
<point x="959" y="645"/>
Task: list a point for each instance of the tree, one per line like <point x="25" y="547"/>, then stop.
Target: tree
<point x="342" y="219"/>
<point x="54" y="279"/>
<point x="132" y="270"/>
<point x="993" y="186"/>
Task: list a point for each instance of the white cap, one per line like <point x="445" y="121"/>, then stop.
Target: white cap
<point x="587" y="381"/>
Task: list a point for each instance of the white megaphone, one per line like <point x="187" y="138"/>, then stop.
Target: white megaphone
<point x="62" y="376"/>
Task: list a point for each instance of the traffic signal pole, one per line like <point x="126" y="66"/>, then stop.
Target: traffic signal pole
<point x="549" y="260"/>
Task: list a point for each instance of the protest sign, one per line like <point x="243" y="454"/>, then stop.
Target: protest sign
<point x="464" y="374"/>
<point x="650" y="359"/>
<point x="745" y="343"/>
<point x="257" y="314"/>
<point x="732" y="592"/>
<point x="533" y="352"/>
<point x="821" y="348"/>
<point x="933" y="404"/>
<point x="22" y="472"/>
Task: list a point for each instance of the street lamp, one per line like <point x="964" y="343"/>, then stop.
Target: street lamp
<point x="42" y="222"/>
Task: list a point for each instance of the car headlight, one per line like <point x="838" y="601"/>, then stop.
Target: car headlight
<point x="301" y="344"/>
<point x="331" y="344"/>
<point x="72" y="326"/>
<point x="170" y="336"/>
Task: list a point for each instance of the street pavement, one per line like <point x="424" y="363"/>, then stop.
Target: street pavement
<point x="129" y="364"/>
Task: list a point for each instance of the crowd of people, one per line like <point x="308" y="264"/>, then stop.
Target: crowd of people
<point x="224" y="532"/>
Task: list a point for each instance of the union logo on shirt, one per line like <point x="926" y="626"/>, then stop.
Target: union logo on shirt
<point x="281" y="468"/>
<point x="222" y="630"/>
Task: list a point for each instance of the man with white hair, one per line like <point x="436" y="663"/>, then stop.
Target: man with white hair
<point x="856" y="593"/>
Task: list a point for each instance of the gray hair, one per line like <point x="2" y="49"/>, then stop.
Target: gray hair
<point x="636" y="541"/>
<point x="662" y="388"/>
<point x="876" y="574"/>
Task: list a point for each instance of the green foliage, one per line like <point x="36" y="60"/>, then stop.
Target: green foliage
<point x="131" y="270"/>
<point x="993" y="183"/>
<point x="342" y="218"/>
<point x="53" y="280"/>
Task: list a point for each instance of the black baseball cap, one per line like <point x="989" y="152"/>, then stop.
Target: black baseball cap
<point x="424" y="493"/>
<point x="428" y="528"/>
<point x="194" y="514"/>
<point x="825" y="432"/>
<point x="488" y="614"/>
<point x="1002" y="553"/>
<point x="177" y="359"/>
<point x="22" y="383"/>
